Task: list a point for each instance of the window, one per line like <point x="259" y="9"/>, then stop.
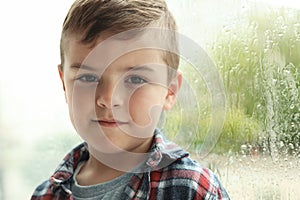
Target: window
<point x="255" y="47"/>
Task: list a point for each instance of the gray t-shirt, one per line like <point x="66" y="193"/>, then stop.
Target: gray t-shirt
<point x="106" y="191"/>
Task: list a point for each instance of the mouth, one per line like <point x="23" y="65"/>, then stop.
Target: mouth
<point x="109" y="123"/>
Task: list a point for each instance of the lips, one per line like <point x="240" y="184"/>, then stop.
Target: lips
<point x="109" y="122"/>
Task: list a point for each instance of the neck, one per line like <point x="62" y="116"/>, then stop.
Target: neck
<point x="104" y="167"/>
<point x="124" y="161"/>
<point x="95" y="172"/>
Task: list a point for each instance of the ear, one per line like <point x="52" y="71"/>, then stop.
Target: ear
<point x="61" y="76"/>
<point x="173" y="90"/>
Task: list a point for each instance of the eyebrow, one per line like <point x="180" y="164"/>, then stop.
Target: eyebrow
<point x="135" y="68"/>
<point x="140" y="68"/>
<point x="81" y="66"/>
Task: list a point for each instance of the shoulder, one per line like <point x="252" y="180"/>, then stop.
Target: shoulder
<point x="42" y="191"/>
<point x="58" y="183"/>
<point x="186" y="178"/>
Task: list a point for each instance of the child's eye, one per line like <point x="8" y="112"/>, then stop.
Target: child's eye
<point x="88" y="78"/>
<point x="136" y="80"/>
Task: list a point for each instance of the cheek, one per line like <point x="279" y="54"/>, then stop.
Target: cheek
<point x="80" y="102"/>
<point x="145" y="106"/>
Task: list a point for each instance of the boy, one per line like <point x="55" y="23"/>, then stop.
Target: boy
<point x="119" y="72"/>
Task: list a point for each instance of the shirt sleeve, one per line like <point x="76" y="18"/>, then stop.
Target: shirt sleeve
<point x="42" y="191"/>
<point x="186" y="179"/>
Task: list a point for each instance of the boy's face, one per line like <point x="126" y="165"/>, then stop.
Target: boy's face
<point x="115" y="104"/>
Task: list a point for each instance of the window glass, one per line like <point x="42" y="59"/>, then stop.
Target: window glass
<point x="255" y="47"/>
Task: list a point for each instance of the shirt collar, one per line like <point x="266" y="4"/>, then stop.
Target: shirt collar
<point x="162" y="153"/>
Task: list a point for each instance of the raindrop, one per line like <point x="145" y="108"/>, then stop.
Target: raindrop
<point x="291" y="146"/>
<point x="243" y="147"/>
<point x="281" y="144"/>
<point x="287" y="71"/>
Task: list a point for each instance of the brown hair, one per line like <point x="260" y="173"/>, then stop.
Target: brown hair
<point x="89" y="18"/>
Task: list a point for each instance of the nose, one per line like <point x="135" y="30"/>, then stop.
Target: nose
<point x="108" y="96"/>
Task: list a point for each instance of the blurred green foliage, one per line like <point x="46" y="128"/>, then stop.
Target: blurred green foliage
<point x="258" y="56"/>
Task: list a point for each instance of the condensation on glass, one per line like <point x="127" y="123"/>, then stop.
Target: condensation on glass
<point x="256" y="49"/>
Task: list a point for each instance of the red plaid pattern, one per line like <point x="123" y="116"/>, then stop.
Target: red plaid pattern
<point x="171" y="175"/>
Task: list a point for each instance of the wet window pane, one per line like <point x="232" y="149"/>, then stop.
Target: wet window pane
<point x="255" y="47"/>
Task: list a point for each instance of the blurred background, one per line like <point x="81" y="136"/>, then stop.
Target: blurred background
<point x="255" y="46"/>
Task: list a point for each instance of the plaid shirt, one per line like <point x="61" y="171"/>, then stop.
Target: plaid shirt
<point x="182" y="178"/>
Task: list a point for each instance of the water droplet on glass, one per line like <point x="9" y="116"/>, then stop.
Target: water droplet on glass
<point x="291" y="146"/>
<point x="292" y="106"/>
<point x="281" y="144"/>
<point x="243" y="147"/>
